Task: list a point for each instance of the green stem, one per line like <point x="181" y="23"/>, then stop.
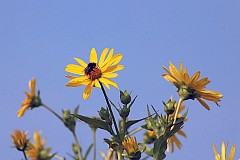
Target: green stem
<point x="109" y="107"/>
<point x="135" y="131"/>
<point x="119" y="154"/>
<point x="78" y="146"/>
<point x="74" y="134"/>
<point x="177" y="110"/>
<point x="52" y="111"/>
<point x="94" y="142"/>
<point x="24" y="155"/>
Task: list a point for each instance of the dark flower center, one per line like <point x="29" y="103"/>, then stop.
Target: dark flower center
<point x="93" y="71"/>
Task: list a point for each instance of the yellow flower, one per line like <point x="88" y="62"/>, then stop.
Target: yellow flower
<point x="224" y="156"/>
<point x="31" y="100"/>
<point x="20" y="140"/>
<point x="90" y="74"/>
<point x="191" y="88"/>
<point x="172" y="141"/>
<point x="130" y="145"/>
<point x="37" y="151"/>
<point x="110" y="154"/>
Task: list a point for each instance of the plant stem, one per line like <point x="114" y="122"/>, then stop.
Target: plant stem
<point x="109" y="107"/>
<point x="24" y="155"/>
<point x="94" y="142"/>
<point x="135" y="131"/>
<point x="119" y="154"/>
<point x="76" y="141"/>
<point x="177" y="110"/>
<point x="52" y="111"/>
<point x="74" y="134"/>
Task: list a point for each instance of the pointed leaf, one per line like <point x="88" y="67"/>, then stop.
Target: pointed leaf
<point x="94" y="122"/>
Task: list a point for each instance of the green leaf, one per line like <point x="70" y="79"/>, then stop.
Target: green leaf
<point x="130" y="105"/>
<point x="160" y="145"/>
<point x="87" y="152"/>
<point x="98" y="123"/>
<point x="132" y="122"/>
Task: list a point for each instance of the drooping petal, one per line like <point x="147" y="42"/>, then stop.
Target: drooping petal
<point x="93" y="56"/>
<point x="87" y="91"/>
<point x="217" y="156"/>
<point x="204" y="104"/>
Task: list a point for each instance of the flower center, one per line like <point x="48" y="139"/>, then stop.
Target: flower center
<point x="93" y="71"/>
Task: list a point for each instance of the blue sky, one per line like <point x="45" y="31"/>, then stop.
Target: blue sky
<point x="39" y="38"/>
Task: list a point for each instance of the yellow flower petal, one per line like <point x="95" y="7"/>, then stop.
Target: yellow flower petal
<point x="109" y="75"/>
<point x="93" y="56"/>
<point x="87" y="91"/>
<point x="75" y="69"/>
<point x="102" y="58"/>
<point x="108" y="81"/>
<point x="232" y="152"/>
<point x="223" y="151"/>
<point x="204" y="104"/>
<point x="81" y="62"/>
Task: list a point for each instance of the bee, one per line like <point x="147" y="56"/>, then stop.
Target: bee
<point x="89" y="68"/>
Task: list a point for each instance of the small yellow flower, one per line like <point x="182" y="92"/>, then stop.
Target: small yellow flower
<point x="95" y="71"/>
<point x="20" y="140"/>
<point x="31" y="100"/>
<point x="37" y="151"/>
<point x="191" y="88"/>
<point x="174" y="141"/>
<point x="223" y="154"/>
<point x="130" y="145"/>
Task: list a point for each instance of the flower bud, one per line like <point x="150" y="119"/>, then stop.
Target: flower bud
<point x="69" y="121"/>
<point x="169" y="107"/>
<point x="104" y="114"/>
<point x="125" y="97"/>
<point x="124" y="112"/>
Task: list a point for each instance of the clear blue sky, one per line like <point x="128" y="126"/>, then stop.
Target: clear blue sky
<point x="39" y="38"/>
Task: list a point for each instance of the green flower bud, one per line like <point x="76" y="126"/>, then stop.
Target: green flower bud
<point x="169" y="107"/>
<point x="125" y="97"/>
<point x="104" y="114"/>
<point x="69" y="121"/>
<point x="124" y="112"/>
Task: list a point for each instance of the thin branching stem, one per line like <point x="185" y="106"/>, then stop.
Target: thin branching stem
<point x="78" y="146"/>
<point x="109" y="107"/>
<point x="24" y="154"/>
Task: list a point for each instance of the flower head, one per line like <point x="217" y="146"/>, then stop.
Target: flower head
<point x="95" y="71"/>
<point x="31" y="101"/>
<point x="37" y="151"/>
<point x="20" y="140"/>
<point x="191" y="88"/>
<point x="131" y="147"/>
<point x="223" y="154"/>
